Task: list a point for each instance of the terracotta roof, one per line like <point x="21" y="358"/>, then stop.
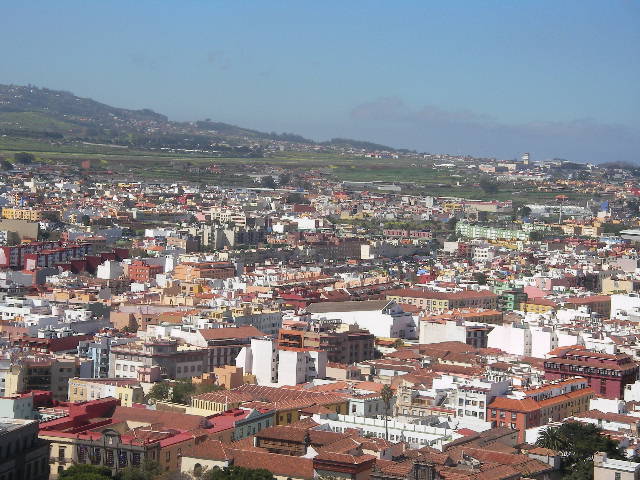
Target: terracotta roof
<point x="512" y="404"/>
<point x="609" y="417"/>
<point x="230" y="333"/>
<point x="279" y="465"/>
<point x="178" y="421"/>
<point x="211" y="450"/>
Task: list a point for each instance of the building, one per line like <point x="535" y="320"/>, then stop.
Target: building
<point x="42" y="253"/>
<point x="539" y="406"/>
<point x="30" y="214"/>
<point x="23" y="456"/>
<point x="530" y="341"/>
<point x="173" y="361"/>
<point x="273" y="364"/>
<point x="224" y="344"/>
<point x="98" y="350"/>
<point x="45" y="372"/>
<point x="128" y="391"/>
<point x="607" y="374"/>
<point x="605" y="468"/>
<point x="443" y="301"/>
<point x="100" y="432"/>
<point x="473" y="334"/>
<point x="342" y="347"/>
<point x="141" y="272"/>
<point x="17" y="406"/>
<point x="383" y="318"/>
<point x="190" y="271"/>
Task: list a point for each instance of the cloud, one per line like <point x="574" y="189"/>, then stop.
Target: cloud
<point x="431" y="128"/>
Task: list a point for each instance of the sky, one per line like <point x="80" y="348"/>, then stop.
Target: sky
<point x="559" y="79"/>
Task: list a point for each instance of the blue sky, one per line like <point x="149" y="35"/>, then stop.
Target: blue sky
<point x="556" y="78"/>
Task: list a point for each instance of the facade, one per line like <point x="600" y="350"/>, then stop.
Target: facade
<point x="272" y="364"/>
<point x="539" y="406"/>
<point x="300" y="365"/>
<point x="383" y="318"/>
<point x="607" y="374"/>
<point x="527" y="340"/>
<point x="605" y="468"/>
<point x="42" y="253"/>
<point x="341" y="347"/>
<point x="174" y="362"/>
<point x="23" y="456"/>
<point x="128" y="391"/>
<point x="45" y="372"/>
<point x="98" y="351"/>
<point x="470" y="333"/>
<point x="17" y="406"/>
<point x="189" y="271"/>
<point x="141" y="272"/>
<point x="30" y="214"/>
<point x="443" y="301"/>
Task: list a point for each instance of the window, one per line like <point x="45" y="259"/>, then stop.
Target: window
<point x="618" y="476"/>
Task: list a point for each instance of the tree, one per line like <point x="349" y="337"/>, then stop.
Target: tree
<point x="577" y="443"/>
<point x="489" y="185"/>
<point x="387" y="394"/>
<point x="536" y="235"/>
<point x="6" y="164"/>
<point x="85" y="472"/>
<point x="160" y="391"/>
<point x="297" y="198"/>
<point x="525" y="211"/>
<point x="238" y="473"/>
<point x="207" y="388"/>
<point x="24" y="158"/>
<point x="398" y="343"/>
<point x="284" y="179"/>
<point x="480" y="278"/>
<point x="147" y="471"/>
<point x="182" y="391"/>
<point x="268" y="182"/>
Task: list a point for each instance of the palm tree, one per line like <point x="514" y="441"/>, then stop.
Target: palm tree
<point x="387" y="394"/>
<point x="552" y="439"/>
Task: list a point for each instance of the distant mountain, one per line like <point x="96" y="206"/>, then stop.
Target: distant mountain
<point x="29" y="111"/>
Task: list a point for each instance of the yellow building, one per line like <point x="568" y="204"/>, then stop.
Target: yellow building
<point x="538" y="306"/>
<point x="127" y="390"/>
<point x="31" y="214"/>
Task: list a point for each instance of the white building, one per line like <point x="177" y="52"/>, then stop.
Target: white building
<point x="383" y="318"/>
<point x="416" y="435"/>
<point x="297" y="366"/>
<point x="472" y="333"/>
<point x="261" y="360"/>
<point x="526" y="340"/>
<point x="286" y="366"/>
<point x="625" y="307"/>
<point x="110" y="270"/>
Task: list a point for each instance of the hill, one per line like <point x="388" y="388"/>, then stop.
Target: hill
<point x="32" y="112"/>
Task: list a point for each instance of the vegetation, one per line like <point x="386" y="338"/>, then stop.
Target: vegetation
<point x="85" y="472"/>
<point x="24" y="158"/>
<point x="387" y="394"/>
<point x="149" y="470"/>
<point x="577" y="443"/>
<point x="238" y="473"/>
<point x="180" y="391"/>
<point x="489" y="185"/>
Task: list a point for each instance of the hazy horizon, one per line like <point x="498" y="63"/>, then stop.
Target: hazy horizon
<point x="557" y="79"/>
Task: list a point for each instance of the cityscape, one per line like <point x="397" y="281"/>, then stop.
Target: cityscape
<point x="186" y="299"/>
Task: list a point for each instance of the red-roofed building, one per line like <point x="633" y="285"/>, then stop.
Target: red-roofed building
<point x="538" y="406"/>
<point x="607" y="374"/>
